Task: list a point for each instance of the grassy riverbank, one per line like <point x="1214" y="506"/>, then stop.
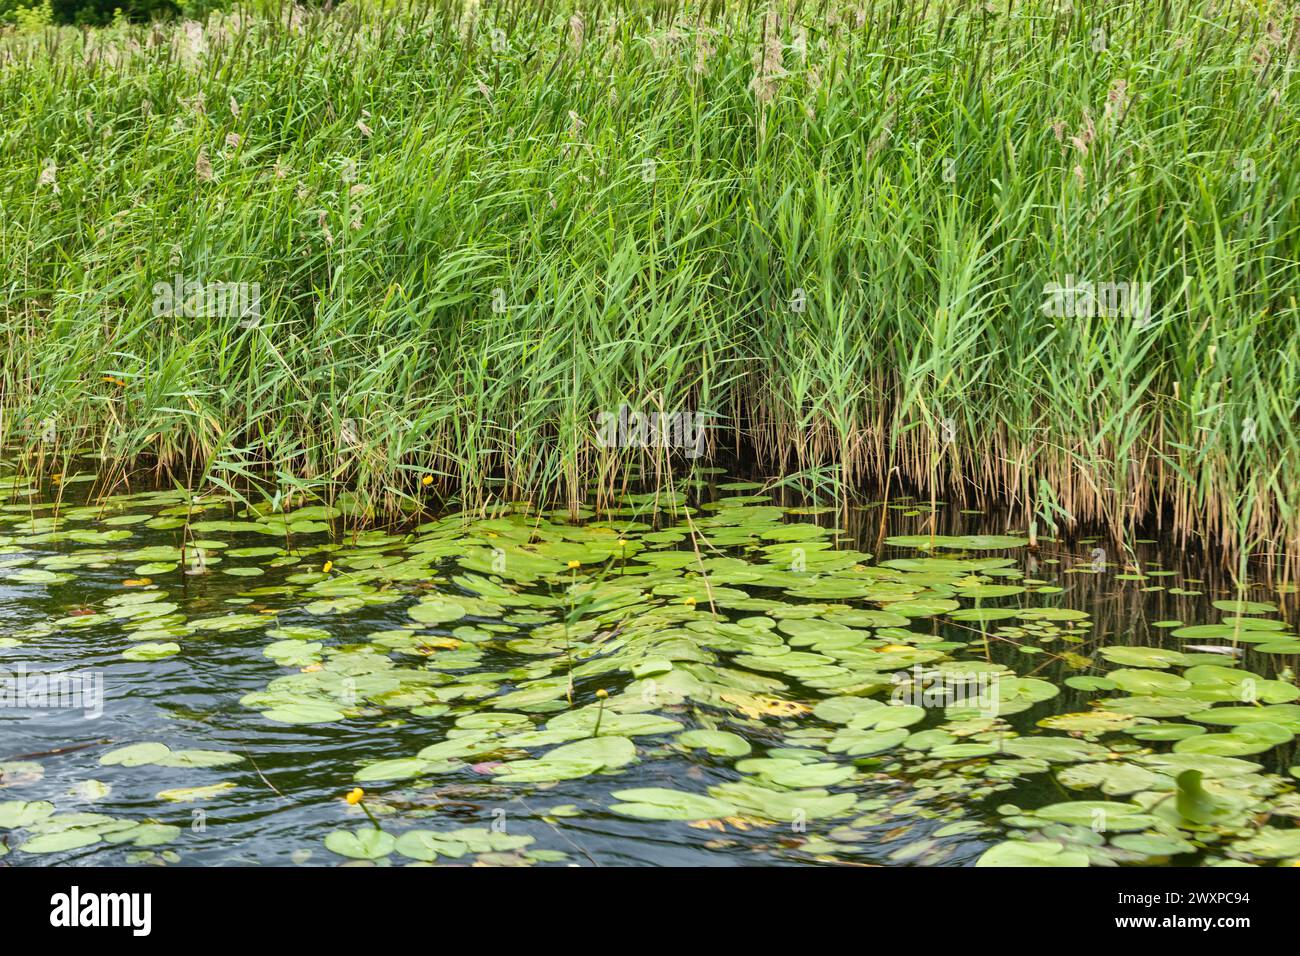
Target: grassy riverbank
<point x="475" y="229"/>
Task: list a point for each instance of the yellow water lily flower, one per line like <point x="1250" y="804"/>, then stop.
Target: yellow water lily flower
<point x="574" y="564"/>
<point x="355" y="796"/>
<point x="328" y="566"/>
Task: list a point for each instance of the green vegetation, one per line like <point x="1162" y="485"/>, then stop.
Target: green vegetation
<point x="35" y="14"/>
<point x="475" y="228"/>
<point x="675" y="674"/>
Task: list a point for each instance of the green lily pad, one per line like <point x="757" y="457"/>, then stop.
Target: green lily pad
<point x="1271" y="843"/>
<point x="135" y="755"/>
<point x="59" y="841"/>
<point x="144" y="834"/>
<point x="436" y="610"/>
<point x="1100" y="815"/>
<point x="20" y="813"/>
<point x="1153" y="844"/>
<point x="656" y="803"/>
<point x="1020" y="853"/>
<point x="192" y="794"/>
<point x="402" y="768"/>
<point x="366" y="843"/>
<point x="1157" y="657"/>
<point x="1113" y="778"/>
<point x="1249" y="739"/>
<point x="719" y="743"/>
<point x="1055" y="749"/>
<point x="1246" y="607"/>
<point x="304" y="712"/>
<point x="151" y="652"/>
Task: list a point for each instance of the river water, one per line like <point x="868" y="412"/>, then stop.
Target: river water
<point x="764" y="668"/>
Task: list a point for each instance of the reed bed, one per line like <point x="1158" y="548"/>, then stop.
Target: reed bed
<point x="830" y="228"/>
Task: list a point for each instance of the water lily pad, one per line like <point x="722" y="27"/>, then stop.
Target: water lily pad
<point x="1020" y="853"/>
<point x="1153" y="844"/>
<point x="1157" y="657"/>
<point x="1102" y="816"/>
<point x="1135" y="681"/>
<point x="861" y="743"/>
<point x="14" y="772"/>
<point x="1055" y="749"/>
<point x="1086" y="682"/>
<point x="613" y="724"/>
<point x="59" y="841"/>
<point x="1089" y="722"/>
<point x="796" y="773"/>
<point x="569" y="761"/>
<point x="402" y="768"/>
<point x="304" y="712"/>
<point x="436" y="610"/>
<point x="38" y="576"/>
<point x="1165" y="731"/>
<point x="1285" y="715"/>
<point x="783" y="806"/>
<point x="1206" y="764"/>
<point x="192" y="794"/>
<point x="719" y="743"/>
<point x="969" y="542"/>
<point x="1114" y="779"/>
<point x="1253" y="738"/>
<point x="20" y="813"/>
<point x="151" y="652"/>
<point x="1246" y="607"/>
<point x="135" y="755"/>
<point x="656" y="803"/>
<point x="144" y="834"/>
<point x="367" y="843"/>
<point x="1271" y="843"/>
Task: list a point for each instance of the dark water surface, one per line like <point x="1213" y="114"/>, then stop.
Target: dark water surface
<point x="908" y="805"/>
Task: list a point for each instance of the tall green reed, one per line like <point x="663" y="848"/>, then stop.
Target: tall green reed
<point x="476" y="226"/>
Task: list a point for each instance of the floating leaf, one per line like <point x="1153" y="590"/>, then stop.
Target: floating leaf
<point x="135" y="755"/>
<point x="655" y="803"/>
<point x="366" y="843"/>
<point x="59" y="841"/>
<point x="304" y="712"/>
<point x="1099" y="815"/>
<point x="191" y="794"/>
<point x="401" y="768"/>
<point x="151" y="652"/>
<point x="20" y="813"/>
<point x="1249" y="739"/>
<point x="720" y="743"/>
<point x="1020" y="853"/>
